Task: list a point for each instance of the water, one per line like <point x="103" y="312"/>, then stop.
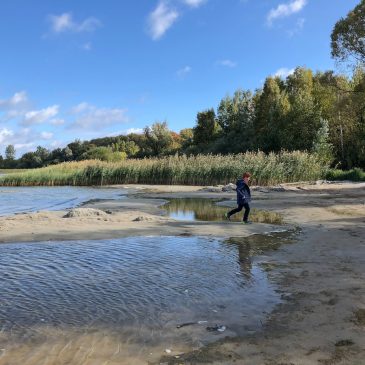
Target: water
<point x="200" y="209"/>
<point x="133" y="291"/>
<point x="30" y="199"/>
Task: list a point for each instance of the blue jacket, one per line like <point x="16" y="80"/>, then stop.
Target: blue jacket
<point x="243" y="192"/>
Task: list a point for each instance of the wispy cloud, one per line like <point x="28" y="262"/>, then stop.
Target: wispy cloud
<point x="194" y="3"/>
<point x="284" y="72"/>
<point x="161" y="19"/>
<point x="227" y="63"/>
<point x="19" y="98"/>
<point x="46" y="135"/>
<point x="66" y="23"/>
<point x="40" y="116"/>
<point x="284" y="10"/>
<point x="183" y="71"/>
<point x="5" y="133"/>
<point x="89" y="116"/>
<point x="299" y="25"/>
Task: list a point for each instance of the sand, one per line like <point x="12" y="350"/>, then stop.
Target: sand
<point x="321" y="277"/>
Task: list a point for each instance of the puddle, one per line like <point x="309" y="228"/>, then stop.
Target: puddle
<point x="199" y="209"/>
<point x="120" y="301"/>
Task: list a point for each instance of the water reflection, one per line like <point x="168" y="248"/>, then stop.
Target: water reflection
<point x="200" y="209"/>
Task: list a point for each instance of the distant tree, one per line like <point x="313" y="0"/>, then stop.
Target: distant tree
<point x="236" y="116"/>
<point x="348" y="35"/>
<point x="207" y="128"/>
<point x="10" y="152"/>
<point x="187" y="137"/>
<point x="158" y="138"/>
<point x="30" y="160"/>
<point x="272" y="106"/>
<point x="1" y="161"/>
<point x="78" y="148"/>
<point x="103" y="153"/>
<point x="321" y="145"/>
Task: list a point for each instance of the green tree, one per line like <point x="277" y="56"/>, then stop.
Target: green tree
<point x="103" y="153"/>
<point x="321" y="145"/>
<point x="236" y="117"/>
<point x="158" y="138"/>
<point x="271" y="114"/>
<point x="10" y="152"/>
<point x="207" y="128"/>
<point x="348" y="35"/>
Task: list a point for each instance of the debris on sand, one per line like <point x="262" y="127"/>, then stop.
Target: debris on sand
<point x="143" y="219"/>
<point x="85" y="212"/>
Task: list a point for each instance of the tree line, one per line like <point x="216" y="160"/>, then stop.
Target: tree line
<point x="319" y="112"/>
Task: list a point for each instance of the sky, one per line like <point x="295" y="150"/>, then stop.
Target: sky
<point x="93" y="68"/>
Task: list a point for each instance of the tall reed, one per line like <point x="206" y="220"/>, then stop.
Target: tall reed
<point x="266" y="169"/>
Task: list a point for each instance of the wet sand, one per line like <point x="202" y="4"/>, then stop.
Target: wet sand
<point x="321" y="277"/>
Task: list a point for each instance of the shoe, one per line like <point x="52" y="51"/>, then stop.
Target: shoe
<point x="227" y="217"/>
<point x="247" y="222"/>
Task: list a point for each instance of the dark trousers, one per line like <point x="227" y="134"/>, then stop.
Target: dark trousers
<point x="239" y="208"/>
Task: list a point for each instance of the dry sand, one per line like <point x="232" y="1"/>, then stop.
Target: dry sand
<point x="321" y="277"/>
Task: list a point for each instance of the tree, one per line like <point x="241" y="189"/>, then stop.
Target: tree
<point x="321" y="145"/>
<point x="236" y="116"/>
<point x="158" y="138"/>
<point x="207" y="128"/>
<point x="10" y="152"/>
<point x="348" y="35"/>
<point x="271" y="114"/>
<point x="187" y="137"/>
<point x="103" y="153"/>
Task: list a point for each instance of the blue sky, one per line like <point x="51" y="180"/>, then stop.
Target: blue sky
<point x="91" y="68"/>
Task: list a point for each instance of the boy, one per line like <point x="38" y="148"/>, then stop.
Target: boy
<point x="243" y="198"/>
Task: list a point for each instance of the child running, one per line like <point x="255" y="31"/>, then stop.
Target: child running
<point x="243" y="198"/>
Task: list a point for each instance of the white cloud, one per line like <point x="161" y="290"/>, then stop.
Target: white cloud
<point x="57" y="122"/>
<point x="284" y="72"/>
<point x="90" y="116"/>
<point x="5" y="133"/>
<point x="299" y="25"/>
<point x="23" y="147"/>
<point x="161" y="19"/>
<point x="65" y="23"/>
<point x="46" y="135"/>
<point x="194" y="3"/>
<point x="133" y="130"/>
<point x="40" y="116"/>
<point x="284" y="10"/>
<point x="82" y="107"/>
<point x="227" y="63"/>
<point x="18" y="99"/>
<point x="183" y="71"/>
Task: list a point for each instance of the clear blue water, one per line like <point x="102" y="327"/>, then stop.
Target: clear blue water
<point x="30" y="199"/>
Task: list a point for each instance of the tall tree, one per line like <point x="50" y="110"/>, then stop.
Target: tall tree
<point x="10" y="152"/>
<point x="348" y="35"/>
<point x="206" y="129"/>
<point x="158" y="138"/>
<point x="236" y="116"/>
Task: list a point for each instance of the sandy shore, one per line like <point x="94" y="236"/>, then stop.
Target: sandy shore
<point x="321" y="276"/>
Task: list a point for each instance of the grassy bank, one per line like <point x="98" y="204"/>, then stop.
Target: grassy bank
<point x="197" y="170"/>
<point x="341" y="175"/>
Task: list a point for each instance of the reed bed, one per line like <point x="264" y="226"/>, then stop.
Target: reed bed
<point x="266" y="169"/>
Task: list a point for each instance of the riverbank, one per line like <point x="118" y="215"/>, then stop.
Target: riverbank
<point x="320" y="277"/>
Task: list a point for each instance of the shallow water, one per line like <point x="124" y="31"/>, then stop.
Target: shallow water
<point x="127" y="294"/>
<point x="200" y="209"/>
<point x="30" y="199"/>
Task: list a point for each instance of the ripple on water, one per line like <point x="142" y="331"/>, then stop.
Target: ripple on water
<point x="132" y="286"/>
